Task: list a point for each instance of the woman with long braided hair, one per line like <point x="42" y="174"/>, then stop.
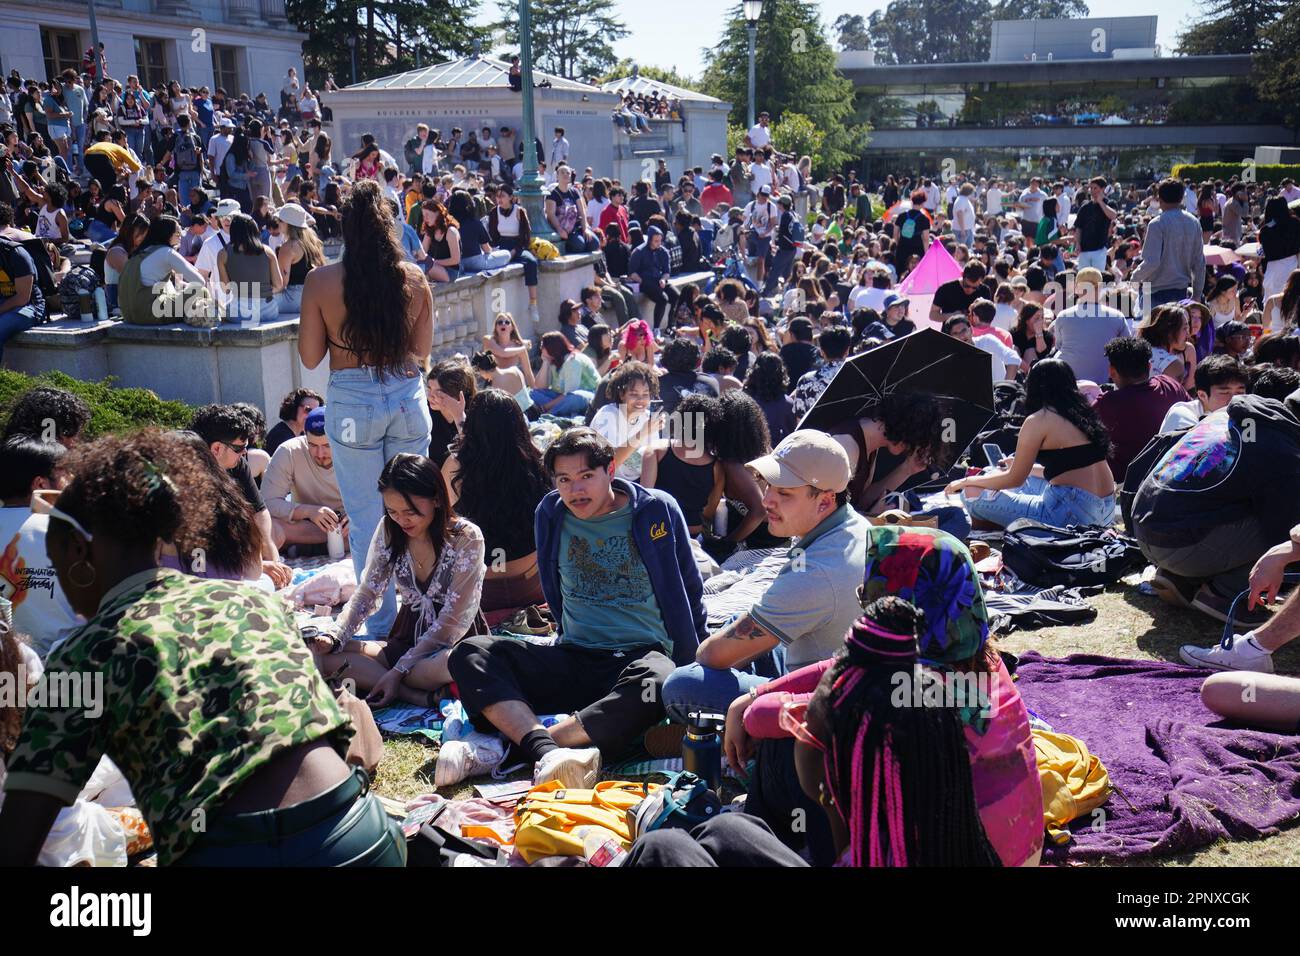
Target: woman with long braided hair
<point x="934" y="572"/>
<point x="888" y="765"/>
<point x="894" y="777"/>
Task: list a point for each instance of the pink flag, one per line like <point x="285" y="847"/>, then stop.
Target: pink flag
<point x="936" y="267"/>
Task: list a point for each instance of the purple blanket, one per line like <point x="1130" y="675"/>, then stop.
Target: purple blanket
<point x="1191" y="779"/>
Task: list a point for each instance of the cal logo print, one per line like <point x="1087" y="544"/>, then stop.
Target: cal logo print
<point x="658" y="531"/>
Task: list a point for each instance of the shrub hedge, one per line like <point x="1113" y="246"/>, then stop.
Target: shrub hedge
<point x="113" y="409"/>
<point x="1264" y="173"/>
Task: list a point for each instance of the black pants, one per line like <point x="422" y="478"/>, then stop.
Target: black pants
<point x="101" y="167"/>
<point x="776" y="798"/>
<point x="663" y="297"/>
<point x="617" y="695"/>
<point x="732" y="839"/>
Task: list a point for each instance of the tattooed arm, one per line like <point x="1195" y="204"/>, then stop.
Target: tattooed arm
<point x="738" y="643"/>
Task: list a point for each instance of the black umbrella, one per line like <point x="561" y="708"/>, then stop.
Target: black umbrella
<point x="925" y="361"/>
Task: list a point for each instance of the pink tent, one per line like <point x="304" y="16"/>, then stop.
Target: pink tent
<point x="936" y="267"/>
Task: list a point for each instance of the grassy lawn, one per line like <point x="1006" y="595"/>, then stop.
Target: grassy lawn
<point x="1128" y="624"/>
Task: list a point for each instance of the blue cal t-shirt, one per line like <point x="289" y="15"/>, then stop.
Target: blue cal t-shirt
<point x="609" y="603"/>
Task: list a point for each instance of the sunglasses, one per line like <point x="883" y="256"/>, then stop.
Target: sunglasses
<point x="237" y="449"/>
<point x="793" y="719"/>
<point x="43" y="504"/>
<point x="503" y="325"/>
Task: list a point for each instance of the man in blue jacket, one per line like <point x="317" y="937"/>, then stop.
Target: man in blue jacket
<point x="650" y="266"/>
<point x="617" y="569"/>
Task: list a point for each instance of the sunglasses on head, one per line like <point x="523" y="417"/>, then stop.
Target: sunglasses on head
<point x="43" y="504"/>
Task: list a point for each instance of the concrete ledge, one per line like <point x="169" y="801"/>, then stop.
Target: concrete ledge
<point x="678" y="282"/>
<point x="260" y="363"/>
<point x="681" y="280"/>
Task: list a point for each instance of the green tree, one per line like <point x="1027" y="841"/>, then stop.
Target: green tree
<point x="1231" y="26"/>
<point x="851" y="32"/>
<point x="1277" y="67"/>
<point x="794" y="71"/>
<point x="953" y="31"/>
<point x="1038" y="10"/>
<point x="624" y="68"/>
<point x="393" y="35"/>
<point x="571" y="38"/>
<point x="797" y="134"/>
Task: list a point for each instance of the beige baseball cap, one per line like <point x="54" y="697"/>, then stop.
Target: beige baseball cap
<point x="806" y="457"/>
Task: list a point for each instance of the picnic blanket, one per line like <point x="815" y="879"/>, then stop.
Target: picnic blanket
<point x="1186" y="778"/>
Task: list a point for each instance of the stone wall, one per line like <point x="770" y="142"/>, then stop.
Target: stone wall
<point x="259" y="364"/>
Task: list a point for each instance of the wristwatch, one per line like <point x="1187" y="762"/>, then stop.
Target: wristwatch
<point x="401" y="668"/>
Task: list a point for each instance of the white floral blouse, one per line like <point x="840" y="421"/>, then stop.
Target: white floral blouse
<point x="455" y="585"/>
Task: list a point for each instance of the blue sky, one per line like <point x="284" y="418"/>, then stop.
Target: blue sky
<point x="673" y="33"/>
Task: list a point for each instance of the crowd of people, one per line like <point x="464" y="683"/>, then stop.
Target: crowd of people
<point x="601" y="478"/>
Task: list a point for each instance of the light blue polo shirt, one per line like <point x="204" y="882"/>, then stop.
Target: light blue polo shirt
<point x="814" y="600"/>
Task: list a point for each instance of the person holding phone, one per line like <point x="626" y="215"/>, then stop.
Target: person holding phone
<point x="1059" y="474"/>
<point x="633" y="418"/>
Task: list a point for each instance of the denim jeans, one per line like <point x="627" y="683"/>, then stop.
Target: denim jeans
<point x="187" y="179"/>
<point x="1056" y="505"/>
<point x="699" y="689"/>
<point x="964" y="237"/>
<point x="580" y="242"/>
<point x="1094" y="259"/>
<point x="79" y="141"/>
<point x="574" y="403"/>
<point x="483" y="262"/>
<point x="135" y="139"/>
<point x="289" y="300"/>
<point x="98" y="232"/>
<point x="779" y="269"/>
<point x="760" y="247"/>
<point x="523" y="257"/>
<point x="15" y="321"/>
<point x="1162" y="297"/>
<point x="370" y="419"/>
<point x="253" y="311"/>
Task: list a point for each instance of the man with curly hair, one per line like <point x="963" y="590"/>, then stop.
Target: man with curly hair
<point x="49" y="414"/>
<point x="910" y="426"/>
<point x="294" y="409"/>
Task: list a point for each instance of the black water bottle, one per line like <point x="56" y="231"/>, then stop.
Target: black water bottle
<point x="702" y="748"/>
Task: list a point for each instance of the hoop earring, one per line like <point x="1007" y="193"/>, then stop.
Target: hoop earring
<point x="81" y="584"/>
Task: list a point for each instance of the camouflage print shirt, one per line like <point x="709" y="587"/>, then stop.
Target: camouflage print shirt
<point x="203" y="682"/>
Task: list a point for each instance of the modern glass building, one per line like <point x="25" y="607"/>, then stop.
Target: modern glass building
<point x="1121" y="111"/>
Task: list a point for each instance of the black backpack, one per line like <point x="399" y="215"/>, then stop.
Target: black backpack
<point x="1077" y="556"/>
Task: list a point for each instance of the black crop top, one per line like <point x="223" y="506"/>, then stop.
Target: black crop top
<point x="1057" y="461"/>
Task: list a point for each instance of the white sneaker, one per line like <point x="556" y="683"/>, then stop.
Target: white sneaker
<point x="576" y="769"/>
<point x="475" y="756"/>
<point x="1242" y="655"/>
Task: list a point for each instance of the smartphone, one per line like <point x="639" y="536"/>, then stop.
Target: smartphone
<point x="994" y="454"/>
